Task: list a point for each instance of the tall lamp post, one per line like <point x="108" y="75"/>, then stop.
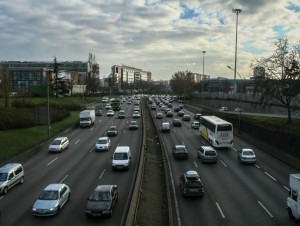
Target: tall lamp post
<point x="236" y="11"/>
<point x="203" y="52"/>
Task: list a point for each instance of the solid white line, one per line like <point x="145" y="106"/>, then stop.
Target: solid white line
<point x="64" y="178"/>
<point x="220" y="210"/>
<point x="77" y="141"/>
<point x="92" y="149"/>
<point x="257" y="166"/>
<point x="265" y="209"/>
<point x="287" y="188"/>
<point x="270" y="176"/>
<point x="195" y="164"/>
<point x="223" y="163"/>
<point x="52" y="161"/>
<point x="101" y="175"/>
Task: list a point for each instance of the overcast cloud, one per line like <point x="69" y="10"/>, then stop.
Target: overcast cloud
<point x="162" y="37"/>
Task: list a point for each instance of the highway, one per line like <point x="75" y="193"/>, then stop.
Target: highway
<point x="82" y="169"/>
<point x="235" y="193"/>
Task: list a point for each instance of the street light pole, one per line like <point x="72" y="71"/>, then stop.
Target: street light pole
<point x="236" y="11"/>
<point x="203" y="52"/>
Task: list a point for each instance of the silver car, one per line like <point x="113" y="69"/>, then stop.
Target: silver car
<point x="51" y="200"/>
<point x="59" y="144"/>
<point x="207" y="154"/>
<point x="247" y="155"/>
<point x="103" y="144"/>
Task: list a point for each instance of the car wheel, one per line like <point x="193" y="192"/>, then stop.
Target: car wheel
<point x="58" y="210"/>
<point x="5" y="190"/>
<point x="290" y="213"/>
<point x="22" y="180"/>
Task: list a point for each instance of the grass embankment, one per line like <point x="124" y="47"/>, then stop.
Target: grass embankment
<point x="16" y="141"/>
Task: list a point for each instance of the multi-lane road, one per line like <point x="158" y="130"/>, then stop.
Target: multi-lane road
<point x="235" y="193"/>
<point x="82" y="169"/>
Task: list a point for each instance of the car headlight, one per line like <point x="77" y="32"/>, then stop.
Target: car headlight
<point x="33" y="209"/>
<point x="105" y="211"/>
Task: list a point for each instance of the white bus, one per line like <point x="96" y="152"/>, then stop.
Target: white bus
<point x="218" y="132"/>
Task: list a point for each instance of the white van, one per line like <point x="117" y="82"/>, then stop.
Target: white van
<point x="10" y="175"/>
<point x="121" y="158"/>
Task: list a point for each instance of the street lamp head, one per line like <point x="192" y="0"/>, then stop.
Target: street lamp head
<point x="203" y="52"/>
<point x="237" y="11"/>
<point x="229" y="67"/>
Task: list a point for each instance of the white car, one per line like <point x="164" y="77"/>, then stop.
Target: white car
<point x="59" y="144"/>
<point x="195" y="125"/>
<point x="107" y="106"/>
<point x="51" y="200"/>
<point x="136" y="114"/>
<point x="247" y="155"/>
<point x="110" y="113"/>
<point x="103" y="144"/>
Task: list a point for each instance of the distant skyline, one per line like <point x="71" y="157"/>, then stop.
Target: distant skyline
<point x="160" y="36"/>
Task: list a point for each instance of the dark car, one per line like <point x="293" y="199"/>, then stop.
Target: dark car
<point x="112" y="131"/>
<point x="177" y="122"/>
<point x="98" y="113"/>
<point x="197" y="116"/>
<point x="176" y="109"/>
<point x="180" y="151"/>
<point x="102" y="201"/>
<point x="190" y="184"/>
<point x="180" y="113"/>
<point x="186" y="117"/>
<point x="169" y="114"/>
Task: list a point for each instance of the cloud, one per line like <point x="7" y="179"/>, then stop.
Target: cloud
<point x="159" y="36"/>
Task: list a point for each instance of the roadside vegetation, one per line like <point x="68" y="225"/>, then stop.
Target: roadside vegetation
<point x="19" y="130"/>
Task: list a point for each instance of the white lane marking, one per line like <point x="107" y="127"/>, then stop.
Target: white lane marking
<point x="52" y="161"/>
<point x="268" y="212"/>
<point x="234" y="149"/>
<point x="77" y="141"/>
<point x="223" y="163"/>
<point x="100" y="121"/>
<point x="270" y="176"/>
<point x="62" y="180"/>
<point x="287" y="188"/>
<point x="257" y="166"/>
<point x="220" y="210"/>
<point x="182" y="143"/>
<point x="2" y="197"/>
<point x="91" y="128"/>
<point x="195" y="164"/>
<point x="101" y="175"/>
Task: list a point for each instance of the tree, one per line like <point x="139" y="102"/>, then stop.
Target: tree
<point x="182" y="83"/>
<point x="282" y="75"/>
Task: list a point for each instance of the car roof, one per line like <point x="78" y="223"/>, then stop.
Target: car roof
<point x="54" y="187"/>
<point x="103" y="138"/>
<point x="180" y="146"/>
<point x="191" y="174"/>
<point x="247" y="149"/>
<point x="208" y="148"/>
<point x="59" y="138"/>
<point x="104" y="187"/>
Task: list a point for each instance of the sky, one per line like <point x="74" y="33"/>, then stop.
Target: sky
<point x="160" y="36"/>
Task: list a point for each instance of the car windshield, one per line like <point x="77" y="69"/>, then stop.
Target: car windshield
<point x="48" y="195"/>
<point x="56" y="142"/>
<point x="120" y="156"/>
<point x="193" y="183"/>
<point x="100" y="196"/>
<point x="248" y="153"/>
<point x="112" y="128"/>
<point x="102" y="142"/>
<point x="181" y="149"/>
<point x="133" y="123"/>
<point x="210" y="153"/>
<point x="3" y="176"/>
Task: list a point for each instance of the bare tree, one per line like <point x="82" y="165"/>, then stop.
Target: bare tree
<point x="282" y="75"/>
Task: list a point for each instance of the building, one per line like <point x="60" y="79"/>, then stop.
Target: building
<point x="24" y="75"/>
<point x="123" y="76"/>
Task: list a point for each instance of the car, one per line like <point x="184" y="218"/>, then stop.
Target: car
<point x="169" y="114"/>
<point x="223" y="109"/>
<point x="133" y="125"/>
<point x="180" y="151"/>
<point x="11" y="174"/>
<point x="180" y="106"/>
<point x="108" y="106"/>
<point x="186" y="117"/>
<point x="51" y="200"/>
<point x="110" y="113"/>
<point x="112" y="131"/>
<point x="102" y="201"/>
<point x="191" y="184"/>
<point x="207" y="154"/>
<point x="153" y="107"/>
<point x="176" y="109"/>
<point x="246" y="155"/>
<point x="121" y="114"/>
<point x="121" y="158"/>
<point x="165" y="127"/>
<point x="136" y="114"/>
<point x="58" y="144"/>
<point x="103" y="144"/>
<point x="195" y="125"/>
<point x="180" y="113"/>
<point x="159" y="115"/>
<point x="129" y="102"/>
<point x="176" y="122"/>
<point x="197" y="116"/>
<point x="98" y="113"/>
<point x="137" y="108"/>
<point x="238" y="109"/>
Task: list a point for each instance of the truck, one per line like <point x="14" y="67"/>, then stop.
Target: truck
<point x="115" y="104"/>
<point x="293" y="200"/>
<point x="87" y="118"/>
